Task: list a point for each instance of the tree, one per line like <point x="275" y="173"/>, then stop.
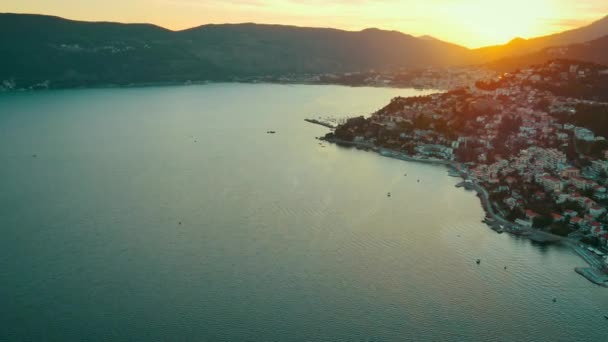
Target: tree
<point x="542" y="222"/>
<point x="561" y="229"/>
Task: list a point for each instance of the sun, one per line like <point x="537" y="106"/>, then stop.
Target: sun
<point x="496" y="22"/>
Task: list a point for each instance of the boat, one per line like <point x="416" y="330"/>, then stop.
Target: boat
<point x="478" y="261"/>
<point x="271" y="132"/>
<point x="554" y="300"/>
<point x="606" y="316"/>
<point x="388" y="194"/>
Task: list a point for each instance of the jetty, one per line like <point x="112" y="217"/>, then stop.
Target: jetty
<point x="321" y="122"/>
<point x="593" y="275"/>
<point x="543" y="238"/>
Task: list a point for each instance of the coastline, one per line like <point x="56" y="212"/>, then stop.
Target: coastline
<point x="194" y="83"/>
<point x="594" y="273"/>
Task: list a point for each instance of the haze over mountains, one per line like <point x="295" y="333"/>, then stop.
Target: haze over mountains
<point x="35" y="49"/>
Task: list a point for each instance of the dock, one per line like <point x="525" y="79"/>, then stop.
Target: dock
<point x="593" y="275"/>
<point x="539" y="237"/>
<point x="321" y="123"/>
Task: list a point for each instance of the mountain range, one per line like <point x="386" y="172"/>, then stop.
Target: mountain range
<point x="37" y="49"/>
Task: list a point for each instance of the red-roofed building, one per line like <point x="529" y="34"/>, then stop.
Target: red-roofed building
<point x="596" y="211"/>
<point x="589" y="203"/>
<point x="531" y="215"/>
<point x="596" y="228"/>
<point x="582" y="183"/>
<point x="576" y="221"/>
<point x="557" y="217"/>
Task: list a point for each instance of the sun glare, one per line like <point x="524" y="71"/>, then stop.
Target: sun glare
<point x="495" y="22"/>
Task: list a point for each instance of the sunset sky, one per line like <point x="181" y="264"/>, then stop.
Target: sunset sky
<point x="471" y="23"/>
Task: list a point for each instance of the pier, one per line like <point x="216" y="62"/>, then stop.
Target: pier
<point x="593" y="275"/>
<point x="321" y="123"/>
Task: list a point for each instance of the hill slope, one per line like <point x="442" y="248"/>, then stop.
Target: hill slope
<point x="521" y="46"/>
<point x="595" y="51"/>
<point x="67" y="53"/>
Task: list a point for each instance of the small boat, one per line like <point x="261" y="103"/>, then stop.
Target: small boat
<point x="270" y="132"/>
<point x="478" y="261"/>
<point x="388" y="194"/>
<point x="606" y="316"/>
<point x="505" y="267"/>
<point x="554" y="300"/>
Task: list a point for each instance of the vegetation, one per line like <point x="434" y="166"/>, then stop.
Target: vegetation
<point x="35" y="49"/>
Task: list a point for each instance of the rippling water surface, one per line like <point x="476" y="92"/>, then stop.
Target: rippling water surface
<point x="280" y="239"/>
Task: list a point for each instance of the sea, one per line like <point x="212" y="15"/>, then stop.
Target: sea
<point x="171" y="214"/>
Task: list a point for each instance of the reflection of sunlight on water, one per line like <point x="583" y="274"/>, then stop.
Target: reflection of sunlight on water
<point x="337" y="107"/>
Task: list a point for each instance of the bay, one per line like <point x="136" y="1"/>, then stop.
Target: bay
<point x="168" y="213"/>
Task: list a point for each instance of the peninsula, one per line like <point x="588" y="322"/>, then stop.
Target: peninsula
<point x="531" y="143"/>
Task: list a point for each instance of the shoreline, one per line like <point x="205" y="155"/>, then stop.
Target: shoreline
<point x="196" y="83"/>
<point x="594" y="273"/>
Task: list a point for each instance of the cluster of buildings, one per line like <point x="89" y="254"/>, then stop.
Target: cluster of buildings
<point x="441" y="78"/>
<point x="509" y="133"/>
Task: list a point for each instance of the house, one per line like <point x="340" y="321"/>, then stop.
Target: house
<point x="582" y="183"/>
<point x="596" y="211"/>
<point x="596" y="228"/>
<point x="531" y="215"/>
<point x="510" y="202"/>
<point x="570" y="213"/>
<point x="557" y="217"/>
<point x="604" y="238"/>
<point x="577" y="221"/>
<point x="502" y="188"/>
<point x="571" y="172"/>
<point x="584" y="134"/>
<point x="551" y="183"/>
<point x="562" y="198"/>
<point x="588" y="203"/>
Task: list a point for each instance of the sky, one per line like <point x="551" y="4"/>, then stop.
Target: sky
<point x="472" y="23"/>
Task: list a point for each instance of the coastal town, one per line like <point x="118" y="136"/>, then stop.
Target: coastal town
<point x="533" y="142"/>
